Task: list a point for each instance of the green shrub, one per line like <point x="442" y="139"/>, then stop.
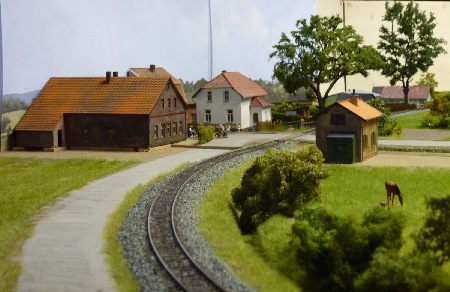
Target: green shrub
<point x="205" y="133"/>
<point x="387" y="125"/>
<point x="334" y="251"/>
<point x="435" y="121"/>
<point x="277" y="184"/>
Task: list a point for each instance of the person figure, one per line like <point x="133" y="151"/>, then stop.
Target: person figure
<point x="221" y="130"/>
<point x="239" y="127"/>
<point x="228" y="128"/>
<point x="191" y="131"/>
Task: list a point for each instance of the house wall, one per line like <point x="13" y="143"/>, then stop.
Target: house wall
<point x="246" y="120"/>
<point x="219" y="107"/>
<point x="353" y="124"/>
<point x="106" y="131"/>
<point x="264" y="113"/>
<point x="366" y="18"/>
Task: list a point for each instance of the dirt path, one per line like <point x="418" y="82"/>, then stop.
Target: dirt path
<point x="408" y="159"/>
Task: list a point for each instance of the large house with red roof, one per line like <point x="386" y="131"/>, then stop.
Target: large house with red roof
<point x="347" y="131"/>
<point x="231" y="98"/>
<point x="128" y="113"/>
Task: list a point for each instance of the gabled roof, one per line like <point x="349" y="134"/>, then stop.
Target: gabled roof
<point x="360" y="108"/>
<point x="260" y="102"/>
<point x="396" y="92"/>
<point x="154" y="71"/>
<point x="244" y="86"/>
<point x="91" y="95"/>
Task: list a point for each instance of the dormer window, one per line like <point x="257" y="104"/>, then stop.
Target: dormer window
<point x="174" y="103"/>
<point x="168" y="103"/>
<point x="226" y="95"/>
<point x="337" y="119"/>
<point x="162" y="104"/>
<point x="209" y="96"/>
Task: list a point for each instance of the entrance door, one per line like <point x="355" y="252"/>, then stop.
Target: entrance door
<point x="60" y="138"/>
<point x="255" y="118"/>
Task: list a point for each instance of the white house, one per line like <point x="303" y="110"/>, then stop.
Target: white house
<point x="231" y="98"/>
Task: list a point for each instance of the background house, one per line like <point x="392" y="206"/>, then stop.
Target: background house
<point x="232" y="98"/>
<point x="103" y="113"/>
<point x="347" y="131"/>
<point x="394" y="94"/>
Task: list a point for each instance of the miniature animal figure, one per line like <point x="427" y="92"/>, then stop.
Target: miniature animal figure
<point x="393" y="189"/>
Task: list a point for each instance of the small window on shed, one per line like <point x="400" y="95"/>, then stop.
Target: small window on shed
<point x="373" y="139"/>
<point x="337" y="119"/>
<point x="156" y="131"/>
<point x="174" y="128"/>
<point x="163" y="130"/>
<point x="168" y="130"/>
<point x="365" y="141"/>
<point x="162" y="104"/>
<point x="181" y="128"/>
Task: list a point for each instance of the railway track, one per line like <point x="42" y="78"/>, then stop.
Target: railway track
<point x="162" y="228"/>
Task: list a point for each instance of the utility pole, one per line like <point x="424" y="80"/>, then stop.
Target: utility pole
<point x="210" y="44"/>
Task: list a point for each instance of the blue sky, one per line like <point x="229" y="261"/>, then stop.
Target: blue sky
<point x="58" y="38"/>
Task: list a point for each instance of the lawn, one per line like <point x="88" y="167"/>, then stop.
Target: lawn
<point x="26" y="187"/>
<point x="349" y="191"/>
<point x="412" y="121"/>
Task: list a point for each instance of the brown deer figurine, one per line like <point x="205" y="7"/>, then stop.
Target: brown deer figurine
<point x="393" y="189"/>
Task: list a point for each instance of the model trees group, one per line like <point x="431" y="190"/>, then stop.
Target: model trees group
<point x="323" y="51"/>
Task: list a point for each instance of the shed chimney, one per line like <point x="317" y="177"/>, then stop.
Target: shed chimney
<point x="108" y="76"/>
<point x="152" y="68"/>
<point x="115" y="74"/>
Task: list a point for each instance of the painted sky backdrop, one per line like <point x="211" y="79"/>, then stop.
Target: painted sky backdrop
<point x="59" y="38"/>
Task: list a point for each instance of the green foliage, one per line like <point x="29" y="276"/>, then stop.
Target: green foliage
<point x="389" y="271"/>
<point x="190" y="88"/>
<point x="205" y="133"/>
<point x="13" y="104"/>
<point x="319" y="52"/>
<point x="434" y="237"/>
<point x="386" y="124"/>
<point x="428" y="79"/>
<point x="407" y="43"/>
<point x="439" y="117"/>
<point x="4" y="124"/>
<point x="278" y="183"/>
<point x="333" y="251"/>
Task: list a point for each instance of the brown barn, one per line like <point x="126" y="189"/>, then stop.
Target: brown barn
<point x="116" y="113"/>
<point x="347" y="131"/>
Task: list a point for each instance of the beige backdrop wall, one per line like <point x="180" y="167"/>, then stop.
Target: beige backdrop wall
<point x="366" y="18"/>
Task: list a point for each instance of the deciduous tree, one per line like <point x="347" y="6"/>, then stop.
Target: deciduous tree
<point x="320" y="53"/>
<point x="407" y="43"/>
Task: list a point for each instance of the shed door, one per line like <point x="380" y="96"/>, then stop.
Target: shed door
<point x="341" y="148"/>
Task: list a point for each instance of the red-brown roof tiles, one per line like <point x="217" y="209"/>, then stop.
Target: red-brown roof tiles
<point x="241" y="84"/>
<point x="415" y="92"/>
<point x="259" y="102"/>
<point x="123" y="95"/>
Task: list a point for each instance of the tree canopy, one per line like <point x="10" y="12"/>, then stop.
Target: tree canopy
<point x="407" y="43"/>
<point x="320" y="53"/>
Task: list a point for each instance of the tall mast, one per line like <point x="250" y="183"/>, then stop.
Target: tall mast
<point x="210" y="44"/>
<point x="1" y="73"/>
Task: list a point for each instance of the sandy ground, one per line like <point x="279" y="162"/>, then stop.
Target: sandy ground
<point x="408" y="159"/>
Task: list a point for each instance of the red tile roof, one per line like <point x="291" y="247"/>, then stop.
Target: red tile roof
<point x="159" y="72"/>
<point x="259" y="102"/>
<point x="91" y="95"/>
<point x="361" y="109"/>
<point x="242" y="85"/>
<point x="415" y="92"/>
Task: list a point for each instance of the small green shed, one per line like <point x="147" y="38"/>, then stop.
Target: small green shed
<point x="341" y="148"/>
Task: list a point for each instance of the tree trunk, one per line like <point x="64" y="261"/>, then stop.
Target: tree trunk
<point x="406" y="93"/>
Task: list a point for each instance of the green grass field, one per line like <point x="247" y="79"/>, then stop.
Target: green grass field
<point x="412" y="121"/>
<point x="28" y="185"/>
<point x="14" y="117"/>
<point x="349" y="191"/>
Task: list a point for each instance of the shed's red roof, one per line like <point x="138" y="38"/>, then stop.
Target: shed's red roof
<point x="91" y="95"/>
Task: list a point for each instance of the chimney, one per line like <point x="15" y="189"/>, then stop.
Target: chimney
<point x="108" y="77"/>
<point x="152" y="68"/>
<point x="115" y="74"/>
<point x="223" y="71"/>
<point x="354" y="99"/>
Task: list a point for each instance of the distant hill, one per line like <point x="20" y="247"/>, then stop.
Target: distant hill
<point x="27" y="96"/>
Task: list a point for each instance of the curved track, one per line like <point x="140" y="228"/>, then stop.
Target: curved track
<point x="162" y="228"/>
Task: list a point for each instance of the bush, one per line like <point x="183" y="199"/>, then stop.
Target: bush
<point x="205" y="133"/>
<point x="397" y="107"/>
<point x="435" y="121"/>
<point x="334" y="251"/>
<point x="277" y="184"/>
<point x="386" y="124"/>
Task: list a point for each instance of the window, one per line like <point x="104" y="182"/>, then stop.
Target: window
<point x="337" y="119"/>
<point x="365" y="142"/>
<point x="110" y="134"/>
<point x="162" y="104"/>
<point x="168" y="103"/>
<point x="229" y="115"/>
<point x="168" y="130"/>
<point x="163" y="130"/>
<point x="156" y="131"/>
<point x="174" y="103"/>
<point x="174" y="128"/>
<point x="226" y="96"/>
<point x="181" y="127"/>
<point x="209" y="96"/>
<point x="208" y="116"/>
<point x="194" y="118"/>
<point x="85" y="134"/>
<point x="373" y="139"/>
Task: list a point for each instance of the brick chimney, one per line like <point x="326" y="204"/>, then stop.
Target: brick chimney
<point x="354" y="99"/>
<point x="108" y="77"/>
<point x="152" y="68"/>
<point x="115" y="74"/>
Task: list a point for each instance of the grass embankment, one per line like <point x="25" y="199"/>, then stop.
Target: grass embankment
<point x="412" y="120"/>
<point x="28" y="185"/>
<point x="349" y="191"/>
<point x="114" y="253"/>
